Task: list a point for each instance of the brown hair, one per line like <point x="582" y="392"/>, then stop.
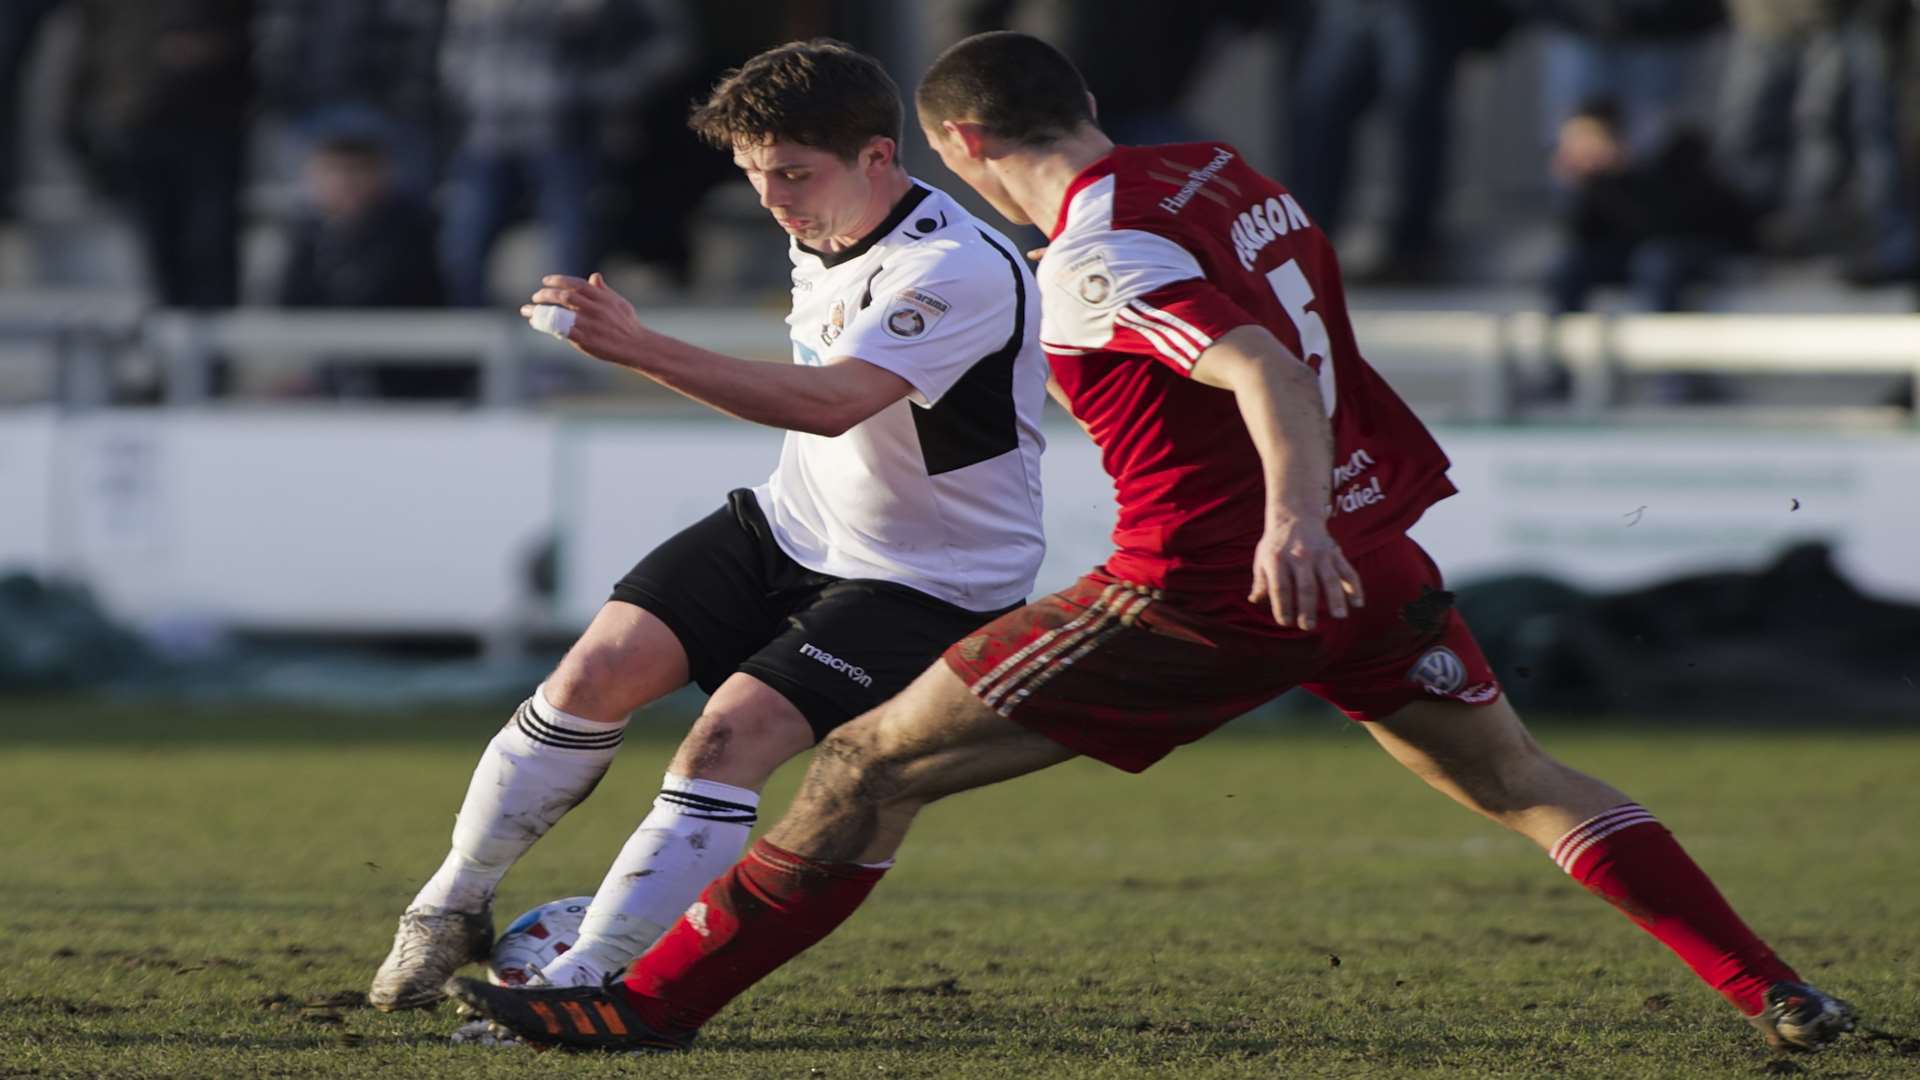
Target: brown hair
<point x="1015" y="85"/>
<point x="821" y="93"/>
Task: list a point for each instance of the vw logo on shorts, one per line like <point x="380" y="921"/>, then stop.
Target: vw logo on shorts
<point x="1439" y="669"/>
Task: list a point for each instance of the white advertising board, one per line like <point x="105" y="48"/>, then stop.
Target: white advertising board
<point x="324" y="520"/>
<point x="410" y="520"/>
<point x="1600" y="508"/>
<point x="27" y="464"/>
<point x="1618" y="508"/>
<point x="626" y="485"/>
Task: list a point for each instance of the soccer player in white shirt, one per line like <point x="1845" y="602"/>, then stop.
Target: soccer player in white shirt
<point x="904" y="513"/>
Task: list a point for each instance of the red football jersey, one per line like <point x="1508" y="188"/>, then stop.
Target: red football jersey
<point x="1158" y="251"/>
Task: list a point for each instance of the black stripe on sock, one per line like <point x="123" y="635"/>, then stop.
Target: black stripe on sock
<point x="705" y="802"/>
<point x="722" y="811"/>
<point x="541" y="731"/>
<point x="561" y="742"/>
<point x="729" y="819"/>
<point x="563" y="737"/>
<point x="697" y="808"/>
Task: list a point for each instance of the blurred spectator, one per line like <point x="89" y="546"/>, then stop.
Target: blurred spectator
<point x="158" y="117"/>
<point x="368" y="243"/>
<point x="657" y="171"/>
<point x="365" y="68"/>
<point x="537" y="85"/>
<point x="1639" y="53"/>
<point x="1402" y="53"/>
<point x="653" y="176"/>
<point x="19" y="24"/>
<point x="1810" y="91"/>
<point x="1138" y="62"/>
<point x="1661" y="223"/>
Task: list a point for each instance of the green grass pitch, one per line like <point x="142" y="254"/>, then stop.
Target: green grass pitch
<point x="189" y="893"/>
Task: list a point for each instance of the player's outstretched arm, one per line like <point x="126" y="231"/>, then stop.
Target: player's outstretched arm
<point x="1297" y="563"/>
<point x="825" y="400"/>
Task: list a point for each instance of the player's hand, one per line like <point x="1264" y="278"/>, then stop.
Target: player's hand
<point x="605" y="326"/>
<point x="1296" y="566"/>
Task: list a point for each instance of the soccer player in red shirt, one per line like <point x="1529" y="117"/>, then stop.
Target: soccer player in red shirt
<point x="1266" y="477"/>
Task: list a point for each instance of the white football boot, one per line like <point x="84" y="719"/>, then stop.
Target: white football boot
<point x="429" y="946"/>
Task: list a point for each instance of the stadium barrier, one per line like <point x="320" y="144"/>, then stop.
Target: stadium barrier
<point x="1602" y="351"/>
<point x="1453" y="365"/>
<point x="509" y="520"/>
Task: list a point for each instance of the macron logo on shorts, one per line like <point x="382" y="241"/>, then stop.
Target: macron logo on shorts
<point x="857" y="674"/>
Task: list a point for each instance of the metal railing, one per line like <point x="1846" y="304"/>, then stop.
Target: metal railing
<point x="1602" y="351"/>
<point x="1454" y="365"/>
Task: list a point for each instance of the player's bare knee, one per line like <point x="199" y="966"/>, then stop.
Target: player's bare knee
<point x="585" y="682"/>
<point x="743" y="744"/>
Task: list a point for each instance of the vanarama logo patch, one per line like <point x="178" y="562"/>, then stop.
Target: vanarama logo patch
<point x="906" y="322"/>
<point x="912" y="312"/>
<point x="1088" y="280"/>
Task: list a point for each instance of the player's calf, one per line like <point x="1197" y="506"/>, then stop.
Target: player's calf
<point x="700" y="822"/>
<point x="854" y="792"/>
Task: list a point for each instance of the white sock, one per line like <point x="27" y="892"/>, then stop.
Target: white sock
<point x="697" y="829"/>
<point x="541" y="765"/>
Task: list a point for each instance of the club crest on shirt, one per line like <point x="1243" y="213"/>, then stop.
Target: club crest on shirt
<point x="912" y="312"/>
<point x="836" y="323"/>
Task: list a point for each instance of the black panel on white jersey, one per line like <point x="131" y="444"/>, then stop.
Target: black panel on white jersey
<point x="975" y="421"/>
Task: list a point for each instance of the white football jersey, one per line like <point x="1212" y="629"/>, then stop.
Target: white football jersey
<point x="939" y="491"/>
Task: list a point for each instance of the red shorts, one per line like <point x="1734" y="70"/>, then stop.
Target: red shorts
<point x="1124" y="674"/>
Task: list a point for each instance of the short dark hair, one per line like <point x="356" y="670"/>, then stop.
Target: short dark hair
<point x="361" y="150"/>
<point x="821" y="93"/>
<point x="1602" y="110"/>
<point x="1015" y="85"/>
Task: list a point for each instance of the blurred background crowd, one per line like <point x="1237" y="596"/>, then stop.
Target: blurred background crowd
<point x="1551" y="154"/>
<point x="202" y="198"/>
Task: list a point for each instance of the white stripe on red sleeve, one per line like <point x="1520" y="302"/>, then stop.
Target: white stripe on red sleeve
<point x="1156" y="335"/>
<point x="1175" y="324"/>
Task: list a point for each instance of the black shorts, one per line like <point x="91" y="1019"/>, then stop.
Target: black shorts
<point x="835" y="647"/>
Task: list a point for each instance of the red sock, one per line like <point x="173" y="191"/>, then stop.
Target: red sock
<point x="1628" y="858"/>
<point x="772" y="906"/>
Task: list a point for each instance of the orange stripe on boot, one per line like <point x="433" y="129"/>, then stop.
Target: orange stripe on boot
<point x="581" y="1021"/>
<point x="545" y="1012"/>
<point x="611" y="1018"/>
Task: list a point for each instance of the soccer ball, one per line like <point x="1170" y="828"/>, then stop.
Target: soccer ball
<point x="536" y="939"/>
